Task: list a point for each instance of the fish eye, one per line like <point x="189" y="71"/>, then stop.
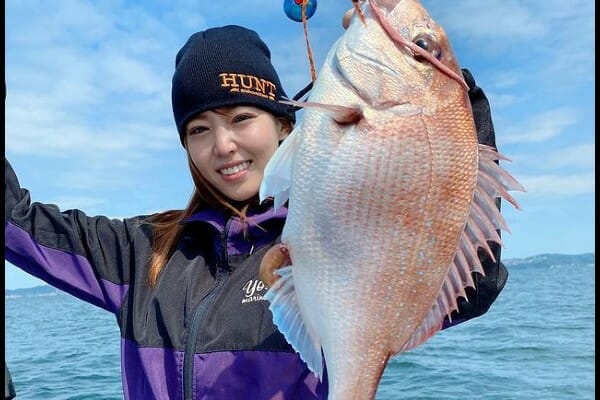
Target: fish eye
<point x="429" y="44"/>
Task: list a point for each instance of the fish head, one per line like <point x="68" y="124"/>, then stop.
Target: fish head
<point x="397" y="54"/>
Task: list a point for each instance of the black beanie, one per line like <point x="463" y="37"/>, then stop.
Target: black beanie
<point x="226" y="66"/>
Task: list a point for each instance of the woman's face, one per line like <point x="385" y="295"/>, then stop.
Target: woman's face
<point x="231" y="147"/>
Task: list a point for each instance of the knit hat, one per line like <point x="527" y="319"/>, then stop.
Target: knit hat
<point x="225" y="66"/>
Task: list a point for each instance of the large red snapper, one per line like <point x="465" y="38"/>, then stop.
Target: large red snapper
<point x="390" y="195"/>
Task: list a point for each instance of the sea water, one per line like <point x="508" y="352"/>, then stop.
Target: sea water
<point x="537" y="341"/>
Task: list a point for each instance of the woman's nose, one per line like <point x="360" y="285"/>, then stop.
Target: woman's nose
<point x="224" y="142"/>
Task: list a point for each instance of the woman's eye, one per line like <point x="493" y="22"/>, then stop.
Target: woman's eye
<point x="197" y="130"/>
<point x="241" y="118"/>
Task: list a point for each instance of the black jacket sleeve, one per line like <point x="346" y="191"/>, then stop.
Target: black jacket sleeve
<point x="9" y="389"/>
<point x="92" y="258"/>
<point x="487" y="288"/>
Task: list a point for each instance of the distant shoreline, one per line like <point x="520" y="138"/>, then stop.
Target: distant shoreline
<point x="539" y="261"/>
<point x="36" y="291"/>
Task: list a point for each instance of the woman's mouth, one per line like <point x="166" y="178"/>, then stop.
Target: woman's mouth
<point x="236" y="169"/>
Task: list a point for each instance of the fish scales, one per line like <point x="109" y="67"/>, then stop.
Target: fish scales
<point x="379" y="206"/>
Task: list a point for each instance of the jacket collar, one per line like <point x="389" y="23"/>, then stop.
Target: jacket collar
<point x="236" y="237"/>
<point x="218" y="218"/>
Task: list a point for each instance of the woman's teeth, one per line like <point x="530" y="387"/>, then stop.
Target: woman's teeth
<point x="235" y="169"/>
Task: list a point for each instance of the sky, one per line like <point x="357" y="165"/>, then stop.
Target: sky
<point x="89" y="123"/>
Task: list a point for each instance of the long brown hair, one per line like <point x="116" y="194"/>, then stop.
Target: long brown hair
<point x="167" y="227"/>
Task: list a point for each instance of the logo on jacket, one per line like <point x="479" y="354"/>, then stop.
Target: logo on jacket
<point x="253" y="290"/>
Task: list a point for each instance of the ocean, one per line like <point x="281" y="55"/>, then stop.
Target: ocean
<point x="536" y="342"/>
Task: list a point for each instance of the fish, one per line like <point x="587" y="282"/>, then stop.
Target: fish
<point x="389" y="198"/>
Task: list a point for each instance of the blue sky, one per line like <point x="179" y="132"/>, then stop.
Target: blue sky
<point x="89" y="122"/>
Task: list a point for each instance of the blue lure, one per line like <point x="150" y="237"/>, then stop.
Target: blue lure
<point x="293" y="9"/>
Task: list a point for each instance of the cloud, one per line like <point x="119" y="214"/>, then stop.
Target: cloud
<point x="48" y="134"/>
<point x="559" y="185"/>
<point x="540" y="127"/>
<point x="546" y="45"/>
<point x="509" y="21"/>
<point x="87" y="90"/>
<point x="578" y="156"/>
<point x="475" y="20"/>
<point x="568" y="162"/>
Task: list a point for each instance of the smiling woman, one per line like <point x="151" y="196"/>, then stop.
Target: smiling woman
<point x="198" y="257"/>
<point x="251" y="133"/>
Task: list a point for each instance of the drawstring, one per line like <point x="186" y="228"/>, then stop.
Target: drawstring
<point x="301" y="93"/>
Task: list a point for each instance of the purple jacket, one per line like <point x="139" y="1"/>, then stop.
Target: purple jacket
<point x="204" y="331"/>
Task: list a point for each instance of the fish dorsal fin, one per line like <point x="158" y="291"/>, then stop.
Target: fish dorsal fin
<point x="286" y="316"/>
<point x="483" y="225"/>
<point x="278" y="172"/>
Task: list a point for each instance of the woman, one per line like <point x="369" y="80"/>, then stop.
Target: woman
<point x="184" y="284"/>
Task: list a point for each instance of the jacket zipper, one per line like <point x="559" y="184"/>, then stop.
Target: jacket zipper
<point x="199" y="317"/>
<point x="190" y="346"/>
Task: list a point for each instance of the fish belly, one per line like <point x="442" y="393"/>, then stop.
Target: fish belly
<point x="374" y="221"/>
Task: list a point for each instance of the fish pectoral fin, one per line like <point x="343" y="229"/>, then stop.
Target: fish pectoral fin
<point x="277" y="178"/>
<point x="287" y="317"/>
